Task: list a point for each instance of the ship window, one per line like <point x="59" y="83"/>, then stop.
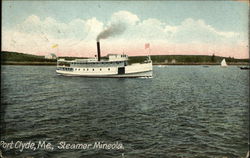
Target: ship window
<point x="79" y="69"/>
<point x="83" y="69"/>
<point x="100" y="69"/>
<point x="108" y="68"/>
<point x="87" y="69"/>
<point x="93" y="69"/>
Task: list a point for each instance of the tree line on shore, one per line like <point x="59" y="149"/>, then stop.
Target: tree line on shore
<point x="157" y="59"/>
<point x="189" y="59"/>
<point x="21" y="57"/>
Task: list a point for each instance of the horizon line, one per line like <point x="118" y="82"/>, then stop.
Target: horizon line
<point x="132" y="55"/>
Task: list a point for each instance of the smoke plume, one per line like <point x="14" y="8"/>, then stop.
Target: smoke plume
<point x="113" y="30"/>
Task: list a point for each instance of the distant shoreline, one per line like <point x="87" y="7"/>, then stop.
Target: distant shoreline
<point x="15" y="58"/>
<point x="29" y="63"/>
<point x="178" y="63"/>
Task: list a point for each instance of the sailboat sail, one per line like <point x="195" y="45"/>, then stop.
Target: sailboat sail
<point x="223" y="63"/>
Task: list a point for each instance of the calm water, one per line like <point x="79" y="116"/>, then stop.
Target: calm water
<point x="183" y="111"/>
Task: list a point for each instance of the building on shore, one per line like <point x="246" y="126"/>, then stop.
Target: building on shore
<point x="50" y="56"/>
<point x="173" y="61"/>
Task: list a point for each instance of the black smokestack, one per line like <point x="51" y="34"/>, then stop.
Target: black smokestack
<point x="98" y="51"/>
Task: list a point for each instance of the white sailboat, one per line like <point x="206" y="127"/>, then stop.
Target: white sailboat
<point x="223" y="63"/>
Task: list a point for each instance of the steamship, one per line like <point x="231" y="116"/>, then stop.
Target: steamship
<point x="115" y="65"/>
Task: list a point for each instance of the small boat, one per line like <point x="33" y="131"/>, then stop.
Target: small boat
<point x="223" y="63"/>
<point x="245" y="67"/>
<point x="206" y="66"/>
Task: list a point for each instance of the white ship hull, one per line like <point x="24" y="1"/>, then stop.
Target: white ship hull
<point x="130" y="71"/>
<point x="129" y="75"/>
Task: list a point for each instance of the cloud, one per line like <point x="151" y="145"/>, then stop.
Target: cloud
<point x="77" y="37"/>
<point x="150" y="29"/>
<point x="189" y="30"/>
<point x="124" y="17"/>
<point x="92" y="27"/>
<point x="118" y="24"/>
<point x="75" y="29"/>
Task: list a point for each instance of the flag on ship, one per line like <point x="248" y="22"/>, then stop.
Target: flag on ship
<point x="54" y="46"/>
<point x="147" y="45"/>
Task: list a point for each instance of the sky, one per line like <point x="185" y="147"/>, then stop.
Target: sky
<point x="170" y="27"/>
